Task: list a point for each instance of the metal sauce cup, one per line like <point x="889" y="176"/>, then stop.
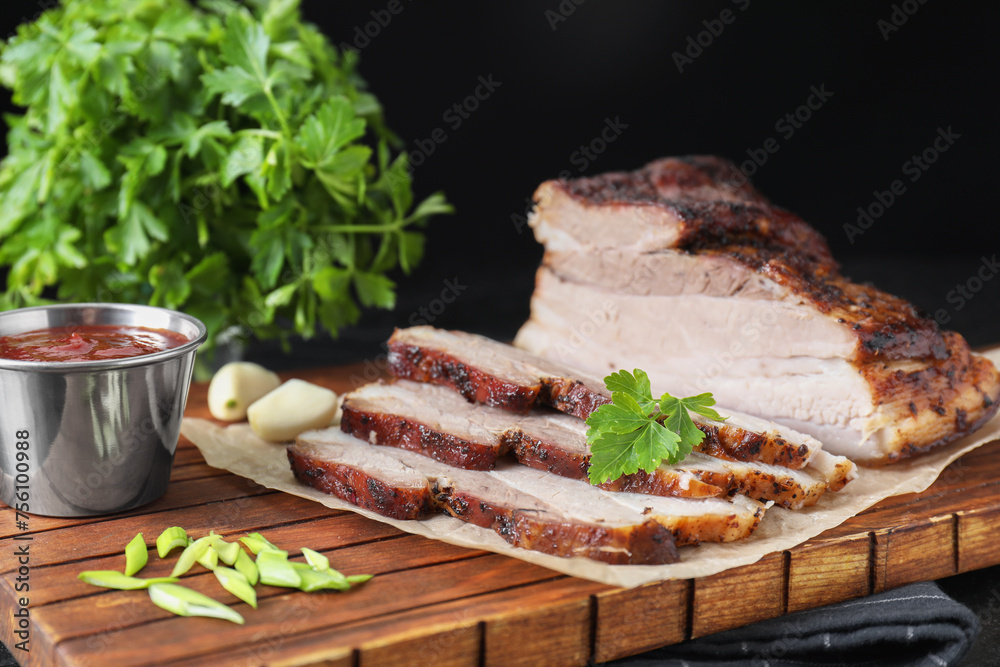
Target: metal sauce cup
<point x="92" y="437"/>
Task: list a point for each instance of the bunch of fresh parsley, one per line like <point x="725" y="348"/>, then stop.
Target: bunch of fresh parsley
<point x="222" y="159"/>
<point x="635" y="431"/>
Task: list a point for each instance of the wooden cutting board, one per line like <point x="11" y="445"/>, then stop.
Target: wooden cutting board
<point x="434" y="603"/>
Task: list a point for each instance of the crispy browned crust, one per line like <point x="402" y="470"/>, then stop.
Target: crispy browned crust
<point x="741" y="225"/>
<point x="738" y="444"/>
<point x="690" y="530"/>
<point x="359" y="488"/>
<point x="422" y="364"/>
<point x="570" y="396"/>
<point x="785" y="492"/>
<point x="405" y="433"/>
<point x="539" y="454"/>
<point x="939" y="402"/>
<point x="646" y="544"/>
<point x="715" y="177"/>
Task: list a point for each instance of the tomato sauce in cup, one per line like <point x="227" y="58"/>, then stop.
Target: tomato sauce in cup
<point x="91" y="342"/>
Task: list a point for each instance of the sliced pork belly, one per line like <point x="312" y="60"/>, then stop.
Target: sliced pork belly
<point x="426" y="419"/>
<point x="690" y="521"/>
<point x="682" y="269"/>
<point x="341" y="465"/>
<point x="476" y="366"/>
<point x="586" y="524"/>
<point x="437" y="418"/>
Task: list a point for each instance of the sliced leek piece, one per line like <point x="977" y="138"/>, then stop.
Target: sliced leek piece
<point x="169" y="539"/>
<point x="236" y="583"/>
<point x="115" y="579"/>
<point x="183" y="601"/>
<point x="136" y="555"/>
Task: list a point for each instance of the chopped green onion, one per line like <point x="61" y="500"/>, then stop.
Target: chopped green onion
<point x="245" y="565"/>
<point x="358" y="578"/>
<point x="236" y="583"/>
<point x="257" y="543"/>
<point x="136" y="555"/>
<point x="209" y="559"/>
<point x="114" y="579"/>
<point x="313" y="580"/>
<point x="183" y="601"/>
<point x="317" y="560"/>
<point x="170" y="539"/>
<point x="191" y="554"/>
<point x="275" y="570"/>
<point x="228" y="551"/>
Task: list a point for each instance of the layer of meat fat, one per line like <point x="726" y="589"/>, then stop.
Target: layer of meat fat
<point x="332" y="445"/>
<point x="666" y="273"/>
<point x="438" y="407"/>
<point x="827" y="390"/>
<point x="691" y="520"/>
<point x="512" y="364"/>
<point x="486" y="354"/>
<point x="687" y="324"/>
<point x="562" y="223"/>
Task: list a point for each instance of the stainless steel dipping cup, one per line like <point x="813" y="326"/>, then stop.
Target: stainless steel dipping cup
<point x="92" y="437"/>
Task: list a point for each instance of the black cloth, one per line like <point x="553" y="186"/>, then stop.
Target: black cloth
<point x="908" y="626"/>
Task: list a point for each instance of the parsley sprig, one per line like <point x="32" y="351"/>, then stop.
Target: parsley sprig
<point x="636" y="431"/>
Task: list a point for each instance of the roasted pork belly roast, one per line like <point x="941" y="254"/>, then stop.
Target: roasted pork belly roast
<point x="684" y="270"/>
<point x="743" y="454"/>
<point x="588" y="523"/>
<point x="527" y="507"/>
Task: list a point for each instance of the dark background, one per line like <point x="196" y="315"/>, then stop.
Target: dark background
<point x="564" y="69"/>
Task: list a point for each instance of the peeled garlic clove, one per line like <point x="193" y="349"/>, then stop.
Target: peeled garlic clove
<point x="237" y="385"/>
<point x="293" y="408"/>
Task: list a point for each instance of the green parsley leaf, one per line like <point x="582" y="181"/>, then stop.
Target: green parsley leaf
<point x="635" y="432"/>
<point x="635" y="385"/>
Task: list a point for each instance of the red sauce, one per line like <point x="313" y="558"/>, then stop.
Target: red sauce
<point x="88" y="343"/>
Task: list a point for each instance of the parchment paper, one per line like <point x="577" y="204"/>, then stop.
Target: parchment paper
<point x="235" y="448"/>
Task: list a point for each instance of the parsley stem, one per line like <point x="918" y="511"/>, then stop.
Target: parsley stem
<point x="388" y="227"/>
<point x="285" y="129"/>
<point x="260" y="132"/>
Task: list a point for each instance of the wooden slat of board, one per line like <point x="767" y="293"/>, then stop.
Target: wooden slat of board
<point x="814" y="564"/>
<point x="561" y="636"/>
<point x="376" y="637"/>
<point x="640" y="619"/>
<point x="739" y="596"/>
<point x="185" y="493"/>
<point x="977" y="537"/>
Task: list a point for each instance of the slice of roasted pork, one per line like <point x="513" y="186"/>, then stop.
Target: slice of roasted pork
<point x="689" y="521"/>
<point x="682" y="269"/>
<point x="482" y="370"/>
<point x="339" y="464"/>
<point x="434" y="422"/>
<point x="556" y="443"/>
<point x="587" y="524"/>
